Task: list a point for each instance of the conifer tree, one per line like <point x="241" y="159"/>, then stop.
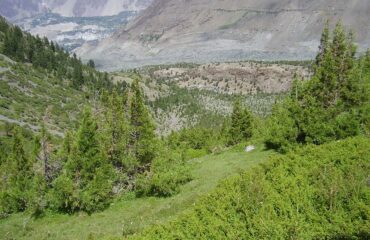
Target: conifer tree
<point x="9" y="44"/>
<point x="77" y="76"/>
<point x="142" y="137"/>
<point x="330" y="105"/>
<point x="87" y="156"/>
<point x="88" y="176"/>
<point x="17" y="193"/>
<point x="22" y="163"/>
<point x="235" y="129"/>
<point x="91" y="63"/>
<point x="42" y="152"/>
<point x="64" y="152"/>
<point x="116" y="126"/>
<point x="247" y="124"/>
<point x="324" y="44"/>
<point x="241" y="124"/>
<point x="3" y="25"/>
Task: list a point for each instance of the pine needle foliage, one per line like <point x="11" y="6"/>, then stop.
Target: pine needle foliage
<point x="332" y="104"/>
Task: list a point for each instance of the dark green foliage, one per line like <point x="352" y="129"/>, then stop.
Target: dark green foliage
<point x="3" y="25"/>
<point x="87" y="179"/>
<point x="128" y="131"/>
<point x="17" y="176"/>
<point x="116" y="129"/>
<point x="319" y="192"/>
<point x="330" y="106"/>
<point x="77" y="75"/>
<point x="241" y="128"/>
<point x="25" y="48"/>
<point x="166" y="176"/>
<point x="66" y="148"/>
<point x="282" y="129"/>
<point x="365" y="108"/>
<point x="91" y="63"/>
<point x="196" y="141"/>
<point x="142" y="137"/>
<point x="195" y="138"/>
<point x="101" y="156"/>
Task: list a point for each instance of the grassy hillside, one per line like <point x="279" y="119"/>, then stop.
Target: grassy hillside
<point x="41" y="83"/>
<point x="32" y="95"/>
<point x="318" y="192"/>
<point x="129" y="214"/>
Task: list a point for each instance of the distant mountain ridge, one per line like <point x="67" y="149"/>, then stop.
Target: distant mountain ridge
<point x="92" y="8"/>
<point x="201" y="31"/>
<point x="72" y="23"/>
<point x="16" y="9"/>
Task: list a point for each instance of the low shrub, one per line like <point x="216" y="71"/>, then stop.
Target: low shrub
<point x="317" y="192"/>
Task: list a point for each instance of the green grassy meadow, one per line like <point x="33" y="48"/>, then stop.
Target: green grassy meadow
<point x="129" y="214"/>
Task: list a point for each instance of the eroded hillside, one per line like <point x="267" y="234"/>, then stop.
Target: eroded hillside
<point x="183" y="95"/>
<point x="172" y="31"/>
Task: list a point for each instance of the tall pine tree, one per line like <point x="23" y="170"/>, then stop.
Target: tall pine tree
<point x="117" y="130"/>
<point x="330" y="105"/>
<point x="87" y="181"/>
<point x="241" y="124"/>
<point x="142" y="137"/>
<point x="17" y="194"/>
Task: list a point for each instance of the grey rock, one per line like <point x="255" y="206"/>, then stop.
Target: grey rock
<point x="200" y="31"/>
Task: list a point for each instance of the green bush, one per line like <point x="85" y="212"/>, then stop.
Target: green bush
<point x="165" y="178"/>
<point x="64" y="195"/>
<point x="195" y="142"/>
<point x="318" y="192"/>
<point x="282" y="130"/>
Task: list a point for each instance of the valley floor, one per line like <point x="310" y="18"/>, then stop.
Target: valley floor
<point x="131" y="215"/>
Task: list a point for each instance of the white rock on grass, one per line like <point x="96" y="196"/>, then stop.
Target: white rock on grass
<point x="250" y="148"/>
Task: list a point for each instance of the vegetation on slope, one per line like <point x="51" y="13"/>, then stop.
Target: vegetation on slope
<point x="33" y="96"/>
<point x="129" y="214"/>
<point x="116" y="154"/>
<point x="175" y="107"/>
<point x="81" y="173"/>
<point x="42" y="53"/>
<point x="333" y="105"/>
<point x="315" y="192"/>
<point x="311" y="193"/>
<point x="41" y="84"/>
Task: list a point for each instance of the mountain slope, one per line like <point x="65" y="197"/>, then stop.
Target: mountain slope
<point x="29" y="96"/>
<point x="317" y="192"/>
<point x="18" y="9"/>
<point x="72" y="23"/>
<point x="199" y="30"/>
<point x="90" y="8"/>
<point x="41" y="84"/>
<point x="69" y="8"/>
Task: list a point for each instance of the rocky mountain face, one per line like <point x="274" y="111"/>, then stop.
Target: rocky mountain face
<point x="72" y="23"/>
<point x="201" y="31"/>
<point x="92" y="8"/>
<point x="14" y="9"/>
<point x="17" y="9"/>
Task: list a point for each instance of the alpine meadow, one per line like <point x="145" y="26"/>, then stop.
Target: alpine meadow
<point x="185" y="120"/>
